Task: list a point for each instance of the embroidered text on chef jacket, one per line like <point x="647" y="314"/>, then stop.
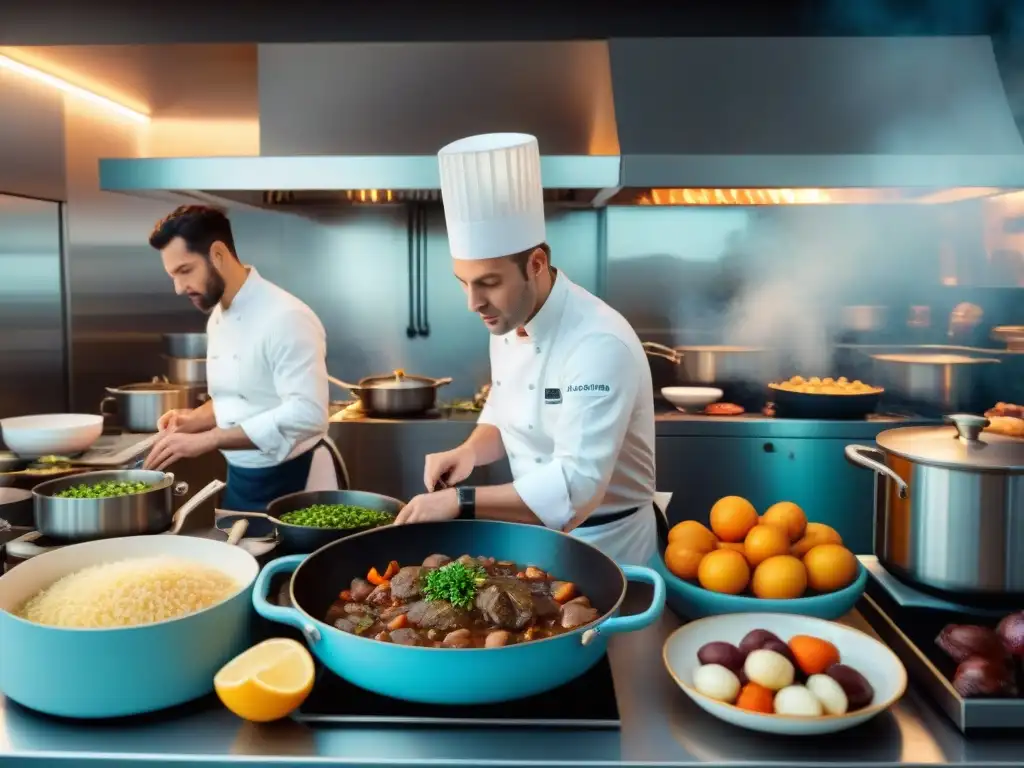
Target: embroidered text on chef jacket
<point x="266" y="372"/>
<point x="574" y="403"/>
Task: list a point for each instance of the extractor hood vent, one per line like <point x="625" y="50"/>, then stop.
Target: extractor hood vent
<point x="811" y="113"/>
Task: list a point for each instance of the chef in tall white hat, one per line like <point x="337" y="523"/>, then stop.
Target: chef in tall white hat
<point x="571" y="403"/>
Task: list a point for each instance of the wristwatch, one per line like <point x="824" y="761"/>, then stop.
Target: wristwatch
<point x="467" y="502"/>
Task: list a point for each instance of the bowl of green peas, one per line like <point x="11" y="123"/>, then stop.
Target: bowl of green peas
<point x="308" y="520"/>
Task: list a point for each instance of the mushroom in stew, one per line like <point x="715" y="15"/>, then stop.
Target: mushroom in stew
<point x="469" y="602"/>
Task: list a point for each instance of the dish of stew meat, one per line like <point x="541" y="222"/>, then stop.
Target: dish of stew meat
<point x="470" y="602"/>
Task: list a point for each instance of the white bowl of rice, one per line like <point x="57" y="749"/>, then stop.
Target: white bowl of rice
<point x="123" y="626"/>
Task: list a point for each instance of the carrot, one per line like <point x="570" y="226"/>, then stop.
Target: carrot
<point x="756" y="698"/>
<point x="565" y="593"/>
<point x="392" y="570"/>
<point x="345" y="595"/>
<point x="399" y="622"/>
<point x="375" y="578"/>
<point x="535" y="573"/>
<point x="813" y="655"/>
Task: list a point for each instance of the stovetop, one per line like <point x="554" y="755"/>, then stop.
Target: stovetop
<point x="586" y="702"/>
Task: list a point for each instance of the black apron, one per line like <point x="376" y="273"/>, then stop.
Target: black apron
<point x="251" y="489"/>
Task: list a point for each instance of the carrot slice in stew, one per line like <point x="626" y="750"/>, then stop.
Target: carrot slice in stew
<point x="565" y="592"/>
<point x="392" y="570"/>
<point x="399" y="622"/>
<point x="375" y="578"/>
<point x="345" y="595"/>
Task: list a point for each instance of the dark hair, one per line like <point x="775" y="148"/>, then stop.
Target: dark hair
<point x="200" y="226"/>
<point x="522" y="258"/>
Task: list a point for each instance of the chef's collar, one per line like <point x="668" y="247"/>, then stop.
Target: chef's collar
<point x="246" y="292"/>
<point x="545" y="322"/>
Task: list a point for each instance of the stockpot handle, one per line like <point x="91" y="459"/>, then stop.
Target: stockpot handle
<point x="857" y="454"/>
<point x="109" y="399"/>
<point x="660" y="350"/>
<point x="289" y="616"/>
<point x="636" y="621"/>
<point x="442" y="382"/>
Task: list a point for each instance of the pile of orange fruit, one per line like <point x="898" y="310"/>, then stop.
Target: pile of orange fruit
<point x="774" y="556"/>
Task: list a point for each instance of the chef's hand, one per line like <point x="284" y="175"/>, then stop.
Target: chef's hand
<point x="174" y="421"/>
<point x="454" y="466"/>
<point x="427" y="507"/>
<point x="174" y="446"/>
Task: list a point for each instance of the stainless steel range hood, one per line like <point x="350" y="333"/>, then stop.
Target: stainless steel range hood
<point x="622" y="121"/>
<point x="813" y="112"/>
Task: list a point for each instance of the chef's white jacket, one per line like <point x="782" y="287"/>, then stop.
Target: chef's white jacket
<point x="574" y="403"/>
<point x="266" y="371"/>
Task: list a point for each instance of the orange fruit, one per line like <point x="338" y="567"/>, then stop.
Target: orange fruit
<point x="815" y="534"/>
<point x="724" y="571"/>
<point x="682" y="560"/>
<point x="732" y="518"/>
<point x="765" y="541"/>
<point x="694" y="535"/>
<point x="813" y="655"/>
<point x="735" y="546"/>
<point x="782" y="577"/>
<point x="830" y="567"/>
<point x="787" y="516"/>
<point x="756" y="698"/>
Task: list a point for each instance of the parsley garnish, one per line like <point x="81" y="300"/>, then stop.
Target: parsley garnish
<point x="455" y="583"/>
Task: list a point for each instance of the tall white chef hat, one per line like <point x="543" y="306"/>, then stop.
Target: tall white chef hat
<point x="493" y="198"/>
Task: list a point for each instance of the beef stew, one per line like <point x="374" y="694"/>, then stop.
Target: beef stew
<point x="469" y="602"/>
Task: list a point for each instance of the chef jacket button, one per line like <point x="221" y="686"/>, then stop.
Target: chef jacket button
<point x="506" y="341"/>
<point x="539" y="460"/>
<point x="498" y="383"/>
<point x="531" y="386"/>
<point x="235" y="357"/>
<point x="529" y="426"/>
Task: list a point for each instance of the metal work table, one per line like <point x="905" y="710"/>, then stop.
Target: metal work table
<point x="660" y="727"/>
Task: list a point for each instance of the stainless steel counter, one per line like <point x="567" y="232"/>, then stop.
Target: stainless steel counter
<point x="660" y="727"/>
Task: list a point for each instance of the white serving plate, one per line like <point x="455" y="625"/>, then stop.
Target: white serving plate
<point x="691" y="397"/>
<point x="872" y="658"/>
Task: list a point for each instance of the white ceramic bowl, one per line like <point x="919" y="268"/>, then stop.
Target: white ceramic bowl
<point x="691" y="397"/>
<point x="872" y="658"/>
<point x="62" y="434"/>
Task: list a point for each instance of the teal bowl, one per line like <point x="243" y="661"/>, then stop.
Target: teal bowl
<point x="692" y="601"/>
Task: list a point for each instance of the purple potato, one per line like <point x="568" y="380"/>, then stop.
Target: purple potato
<point x="756" y="639"/>
<point x="858" y="690"/>
<point x="962" y="641"/>
<point x="1011" y="633"/>
<point x="983" y="677"/>
<point x="726" y="654"/>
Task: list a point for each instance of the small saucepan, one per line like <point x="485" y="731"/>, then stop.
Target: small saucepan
<point x="398" y="394"/>
<point x="303" y="539"/>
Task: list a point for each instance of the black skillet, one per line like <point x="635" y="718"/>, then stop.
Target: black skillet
<point x="809" y="405"/>
<point x="303" y="539"/>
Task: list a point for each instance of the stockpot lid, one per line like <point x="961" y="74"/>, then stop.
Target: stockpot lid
<point x="962" y="445"/>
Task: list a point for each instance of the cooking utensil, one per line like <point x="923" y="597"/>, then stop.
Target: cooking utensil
<point x="396" y="395"/>
<point x="118" y="671"/>
<point x="151" y="511"/>
<point x="303" y="539"/>
<point x="715" y="364"/>
<point x="873" y="659"/>
<point x="813" y="405"/>
<point x="944" y="382"/>
<point x="64" y="434"/>
<point x="950" y="506"/>
<point x="187" y="345"/>
<point x="453" y="676"/>
<point x="186" y="370"/>
<point x="16" y="506"/>
<point x="691" y="397"/>
<point x="140" y="406"/>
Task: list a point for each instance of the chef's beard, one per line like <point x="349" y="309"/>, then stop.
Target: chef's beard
<point x="212" y="293"/>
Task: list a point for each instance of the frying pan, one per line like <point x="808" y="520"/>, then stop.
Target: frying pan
<point x="807" y="405"/>
<point x="456" y="676"/>
<point x="302" y="539"/>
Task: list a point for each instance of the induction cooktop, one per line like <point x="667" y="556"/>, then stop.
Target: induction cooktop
<point x="588" y="702"/>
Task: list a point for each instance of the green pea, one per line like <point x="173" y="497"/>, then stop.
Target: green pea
<point x="103" y="490"/>
<point x="337" y="516"/>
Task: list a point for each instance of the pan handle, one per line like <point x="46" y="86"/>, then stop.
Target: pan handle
<point x="237" y="531"/>
<point x="442" y="382"/>
<point x="278" y="613"/>
<point x="355" y="389"/>
<point x="660" y="350"/>
<point x="857" y="454"/>
<point x="635" y="621"/>
<point x="212" y="488"/>
<point x="24" y="548"/>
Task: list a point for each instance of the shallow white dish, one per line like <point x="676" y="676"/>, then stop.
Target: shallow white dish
<point x="63" y="434"/>
<point x="872" y="658"/>
<point x="691" y="397"/>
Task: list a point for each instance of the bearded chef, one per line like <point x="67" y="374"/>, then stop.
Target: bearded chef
<point x="266" y="371"/>
<point x="571" y="403"/>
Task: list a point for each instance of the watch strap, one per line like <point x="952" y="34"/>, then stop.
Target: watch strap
<point x="467" y="502"/>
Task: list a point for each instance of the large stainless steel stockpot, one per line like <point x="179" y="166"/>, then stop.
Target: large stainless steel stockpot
<point x="950" y="512"/>
<point x="399" y="394"/>
<point x="188" y="345"/>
